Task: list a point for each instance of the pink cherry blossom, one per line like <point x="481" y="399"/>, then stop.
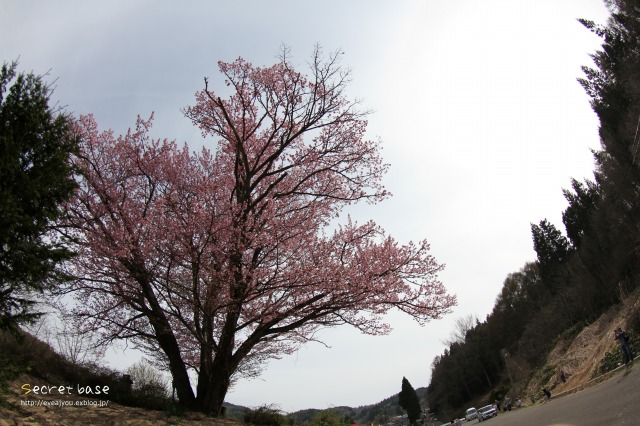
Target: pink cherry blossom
<point x="221" y="259"/>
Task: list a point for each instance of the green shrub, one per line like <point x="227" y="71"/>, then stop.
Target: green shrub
<point x="265" y="416"/>
<point x="329" y="418"/>
<point x="545" y="374"/>
<point x="610" y="361"/>
<point x="614" y="358"/>
<point x="149" y="388"/>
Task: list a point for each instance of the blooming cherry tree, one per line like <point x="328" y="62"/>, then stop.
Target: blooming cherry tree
<point x="220" y="259"/>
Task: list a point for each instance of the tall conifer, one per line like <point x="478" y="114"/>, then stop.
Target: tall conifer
<point x="35" y="177"/>
<point x="409" y="401"/>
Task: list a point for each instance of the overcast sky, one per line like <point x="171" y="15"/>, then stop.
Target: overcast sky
<point x="476" y="102"/>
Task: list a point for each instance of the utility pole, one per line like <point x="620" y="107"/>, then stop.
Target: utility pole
<point x="506" y="363"/>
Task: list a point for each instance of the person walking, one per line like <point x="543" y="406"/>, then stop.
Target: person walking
<point x="507" y="404"/>
<point x="623" y="341"/>
<point x="563" y="377"/>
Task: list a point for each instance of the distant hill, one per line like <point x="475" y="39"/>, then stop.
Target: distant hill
<point x="374" y="413"/>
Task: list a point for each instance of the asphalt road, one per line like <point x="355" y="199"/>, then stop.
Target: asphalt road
<point x="614" y="402"/>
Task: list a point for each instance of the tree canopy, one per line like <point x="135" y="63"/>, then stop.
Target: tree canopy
<point x="219" y="259"/>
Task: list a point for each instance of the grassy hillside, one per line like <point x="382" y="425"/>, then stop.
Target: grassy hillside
<point x="29" y="362"/>
<point x="589" y="354"/>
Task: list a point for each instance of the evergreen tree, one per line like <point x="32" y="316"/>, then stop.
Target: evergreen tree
<point x="35" y="177"/>
<point x="409" y="401"/>
<point x="582" y="204"/>
<point x="614" y="88"/>
<point x="552" y="248"/>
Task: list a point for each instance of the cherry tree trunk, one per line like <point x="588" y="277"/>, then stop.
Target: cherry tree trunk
<point x="213" y="383"/>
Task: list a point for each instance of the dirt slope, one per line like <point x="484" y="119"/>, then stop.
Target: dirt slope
<point x="580" y="357"/>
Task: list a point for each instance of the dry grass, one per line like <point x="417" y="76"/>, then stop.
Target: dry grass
<point x="581" y="356"/>
<point x="34" y="362"/>
<point x="112" y="415"/>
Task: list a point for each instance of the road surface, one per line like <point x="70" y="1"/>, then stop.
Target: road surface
<point x="614" y="402"/>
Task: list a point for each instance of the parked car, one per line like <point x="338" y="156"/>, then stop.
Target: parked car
<point x="471" y="414"/>
<point x="487" y="412"/>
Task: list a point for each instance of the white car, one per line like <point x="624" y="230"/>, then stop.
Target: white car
<point x="471" y="414"/>
<point x="487" y="412"/>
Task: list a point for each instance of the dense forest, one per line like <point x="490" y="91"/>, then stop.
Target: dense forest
<point x="579" y="273"/>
